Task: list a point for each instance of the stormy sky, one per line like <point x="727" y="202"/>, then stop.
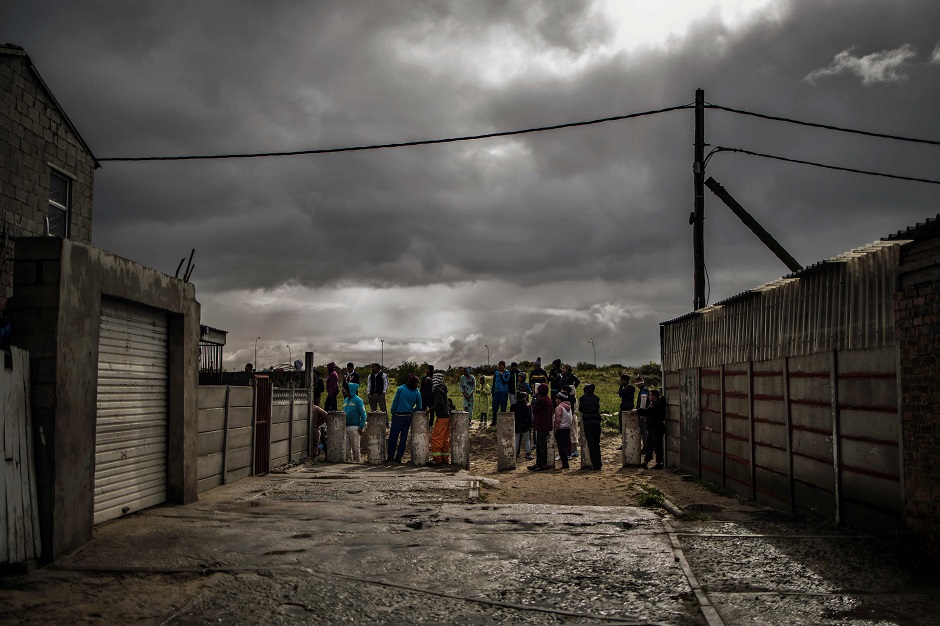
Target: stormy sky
<point x="531" y="244"/>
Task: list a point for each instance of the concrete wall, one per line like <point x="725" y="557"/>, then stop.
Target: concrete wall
<point x="917" y="312"/>
<point x="226" y="435"/>
<point x="59" y="285"/>
<point x="35" y="135"/>
<point x="816" y="434"/>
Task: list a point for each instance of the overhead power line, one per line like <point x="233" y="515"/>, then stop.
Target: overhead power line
<point x="404" y="144"/>
<point x="854" y="131"/>
<point x="814" y="164"/>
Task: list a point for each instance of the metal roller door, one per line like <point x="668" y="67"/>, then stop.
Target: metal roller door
<point x="131" y="422"/>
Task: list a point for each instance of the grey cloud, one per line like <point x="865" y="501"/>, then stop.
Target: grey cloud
<point x="604" y="207"/>
<point x="886" y="66"/>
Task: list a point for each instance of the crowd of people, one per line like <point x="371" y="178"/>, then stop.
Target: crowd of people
<point x="544" y="403"/>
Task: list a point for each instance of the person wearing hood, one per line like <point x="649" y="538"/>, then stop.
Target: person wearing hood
<point x="440" y="436"/>
<point x="484" y="394"/>
<point x="407" y="401"/>
<point x="332" y="386"/>
<point x="655" y="428"/>
<point x="468" y="386"/>
<point x="562" y="426"/>
<point x="542" y="414"/>
<point x="355" y="410"/>
<point x="591" y="415"/>
<point x="427" y="393"/>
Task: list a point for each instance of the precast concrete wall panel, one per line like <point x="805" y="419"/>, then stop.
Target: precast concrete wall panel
<point x="689" y="419"/>
<point x="710" y="438"/>
<point x="737" y="434"/>
<point x="671" y="387"/>
<point x="226" y="419"/>
<point x="869" y="436"/>
<point x="771" y="457"/>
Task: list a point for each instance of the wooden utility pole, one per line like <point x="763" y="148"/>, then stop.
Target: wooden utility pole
<point x="698" y="216"/>
<point x="753" y="224"/>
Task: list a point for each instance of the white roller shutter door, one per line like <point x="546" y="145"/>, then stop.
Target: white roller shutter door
<point x="131" y="422"/>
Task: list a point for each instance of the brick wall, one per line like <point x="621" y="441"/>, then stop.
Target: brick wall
<point x="35" y="134"/>
<point x="917" y="320"/>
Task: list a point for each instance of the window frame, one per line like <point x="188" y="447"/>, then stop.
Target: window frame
<point x="52" y="204"/>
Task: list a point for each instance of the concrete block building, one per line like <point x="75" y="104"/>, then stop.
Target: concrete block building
<point x="46" y="168"/>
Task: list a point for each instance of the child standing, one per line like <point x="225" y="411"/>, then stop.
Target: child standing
<point x="523" y="413"/>
<point x="562" y="426"/>
<point x="355" y="421"/>
<point x="484" y="399"/>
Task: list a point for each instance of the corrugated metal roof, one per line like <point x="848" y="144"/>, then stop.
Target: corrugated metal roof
<point x="927" y="229"/>
<point x="810" y="269"/>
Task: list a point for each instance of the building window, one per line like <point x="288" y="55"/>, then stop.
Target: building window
<point x="60" y="202"/>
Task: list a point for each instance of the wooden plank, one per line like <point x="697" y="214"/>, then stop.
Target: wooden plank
<point x="4" y="515"/>
<point x="16" y="549"/>
<point x="30" y="505"/>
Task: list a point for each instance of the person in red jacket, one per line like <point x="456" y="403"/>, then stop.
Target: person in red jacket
<point x="543" y="413"/>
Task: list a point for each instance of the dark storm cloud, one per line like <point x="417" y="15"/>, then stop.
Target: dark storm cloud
<point x="607" y="203"/>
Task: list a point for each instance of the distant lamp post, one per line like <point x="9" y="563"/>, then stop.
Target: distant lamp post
<point x="591" y="341"/>
<point x="256" y="352"/>
<point x="290" y="359"/>
<point x="383" y="353"/>
<point x="487" y="354"/>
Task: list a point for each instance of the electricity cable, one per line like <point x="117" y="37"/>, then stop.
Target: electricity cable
<point x="823" y="165"/>
<point x="403" y="144"/>
<point x="855" y="131"/>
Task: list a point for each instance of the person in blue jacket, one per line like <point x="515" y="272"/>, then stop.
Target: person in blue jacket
<point x="355" y="421"/>
<point x="407" y="401"/>
<point x="501" y="380"/>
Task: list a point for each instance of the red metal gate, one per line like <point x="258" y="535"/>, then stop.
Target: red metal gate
<point x="262" y="424"/>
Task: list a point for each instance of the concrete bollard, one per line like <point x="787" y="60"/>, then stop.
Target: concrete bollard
<point x="505" y="441"/>
<point x="460" y="439"/>
<point x="631" y="438"/>
<point x="552" y="449"/>
<point x="419" y="438"/>
<point x="376" y="438"/>
<point x="336" y="437"/>
<point x="586" y="462"/>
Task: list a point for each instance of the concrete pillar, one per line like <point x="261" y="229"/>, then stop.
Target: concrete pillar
<point x="460" y="439"/>
<point x="552" y="449"/>
<point x="336" y="437"/>
<point x="419" y="438"/>
<point x="505" y="441"/>
<point x="585" y="452"/>
<point x="376" y="439"/>
<point x="631" y="438"/>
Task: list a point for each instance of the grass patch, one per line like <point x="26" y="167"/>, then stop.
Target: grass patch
<point x="650" y="496"/>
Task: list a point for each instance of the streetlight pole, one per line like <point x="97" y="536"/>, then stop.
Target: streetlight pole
<point x="591" y="341"/>
<point x="256" y="352"/>
<point x="290" y="359"/>
<point x="487" y="354"/>
<point x="383" y="352"/>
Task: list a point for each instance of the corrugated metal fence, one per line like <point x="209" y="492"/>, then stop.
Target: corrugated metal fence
<point x="788" y="393"/>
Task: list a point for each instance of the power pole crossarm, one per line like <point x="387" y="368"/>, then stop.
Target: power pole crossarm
<point x="752" y="223"/>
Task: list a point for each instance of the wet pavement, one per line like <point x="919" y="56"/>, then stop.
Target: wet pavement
<point x="345" y="544"/>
